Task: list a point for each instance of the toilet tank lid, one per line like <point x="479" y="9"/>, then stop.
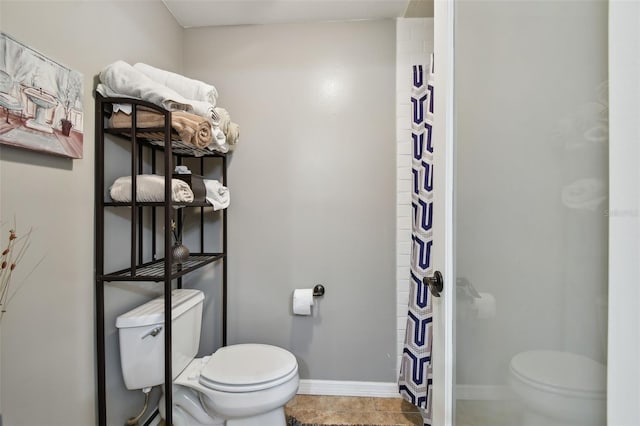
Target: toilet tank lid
<point x="152" y="312"/>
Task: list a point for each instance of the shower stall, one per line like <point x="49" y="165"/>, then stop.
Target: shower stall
<point x="531" y="133"/>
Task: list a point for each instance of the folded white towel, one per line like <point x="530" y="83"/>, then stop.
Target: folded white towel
<point x="150" y="188"/>
<point x="217" y="194"/>
<point x="187" y="87"/>
<point x="106" y="92"/>
<point x="203" y="109"/>
<point x="122" y="79"/>
<point x="182" y="170"/>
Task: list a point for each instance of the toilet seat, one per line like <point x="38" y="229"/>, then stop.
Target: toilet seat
<point x="248" y="368"/>
<point x="561" y="373"/>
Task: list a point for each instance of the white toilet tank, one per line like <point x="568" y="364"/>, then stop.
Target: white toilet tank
<point x="141" y="333"/>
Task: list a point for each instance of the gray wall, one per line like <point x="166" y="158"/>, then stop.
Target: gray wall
<point x="48" y="338"/>
<point x="312" y="184"/>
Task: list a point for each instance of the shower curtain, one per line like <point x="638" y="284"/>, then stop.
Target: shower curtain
<point x="416" y="373"/>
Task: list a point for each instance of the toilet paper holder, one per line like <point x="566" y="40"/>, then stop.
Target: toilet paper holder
<point x="318" y="290"/>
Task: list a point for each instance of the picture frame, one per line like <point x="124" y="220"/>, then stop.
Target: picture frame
<point x="40" y="101"/>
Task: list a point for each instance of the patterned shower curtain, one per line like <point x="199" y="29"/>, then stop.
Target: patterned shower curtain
<point x="416" y="373"/>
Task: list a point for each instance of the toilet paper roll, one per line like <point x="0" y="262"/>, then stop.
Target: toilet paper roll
<point x="485" y="306"/>
<point x="302" y="301"/>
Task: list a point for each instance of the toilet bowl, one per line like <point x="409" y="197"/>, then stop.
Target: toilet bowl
<point x="559" y="388"/>
<point x="238" y="385"/>
<point x="232" y="386"/>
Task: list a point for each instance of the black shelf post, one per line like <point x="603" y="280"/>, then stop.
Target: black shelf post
<point x="168" y="259"/>
<point x="99" y="263"/>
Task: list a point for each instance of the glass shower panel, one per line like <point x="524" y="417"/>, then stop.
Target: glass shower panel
<point x="531" y="212"/>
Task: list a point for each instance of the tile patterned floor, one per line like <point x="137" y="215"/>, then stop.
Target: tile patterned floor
<point x="341" y="410"/>
<point x="334" y="410"/>
<point x="348" y="410"/>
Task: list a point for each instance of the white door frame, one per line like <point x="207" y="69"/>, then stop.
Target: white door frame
<point x="443" y="326"/>
<point x="623" y="378"/>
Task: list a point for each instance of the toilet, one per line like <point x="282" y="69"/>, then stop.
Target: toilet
<point x="559" y="388"/>
<point x="238" y="385"/>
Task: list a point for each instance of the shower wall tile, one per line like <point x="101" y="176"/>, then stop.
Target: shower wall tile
<point x="404" y="147"/>
<point x="403" y="198"/>
<point x="404" y="249"/>
<point x="402" y="123"/>
<point x="403" y="270"/>
<point x="403" y="287"/>
<point x="404" y="166"/>
<point x="403" y="110"/>
<point x="403" y="211"/>
<point x="403" y="135"/>
<point x="412" y="37"/>
<point x="404" y="185"/>
<point x="401" y="323"/>
<point x="414" y="43"/>
<point x="403" y="299"/>
<point x="403" y="235"/>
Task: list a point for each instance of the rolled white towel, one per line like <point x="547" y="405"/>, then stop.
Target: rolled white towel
<point x="584" y="194"/>
<point x="187" y="87"/>
<point x="106" y="92"/>
<point x="217" y="194"/>
<point x="219" y="142"/>
<point x="122" y="79"/>
<point x="150" y="188"/>
<point x="233" y="135"/>
<point x="203" y="109"/>
<point x="223" y="118"/>
<point x="231" y="130"/>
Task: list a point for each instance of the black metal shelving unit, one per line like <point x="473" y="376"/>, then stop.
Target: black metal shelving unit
<point x="161" y="270"/>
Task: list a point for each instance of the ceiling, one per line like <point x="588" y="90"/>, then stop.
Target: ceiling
<point x="204" y="13"/>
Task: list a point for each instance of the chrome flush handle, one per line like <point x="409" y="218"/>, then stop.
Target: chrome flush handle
<point x="153" y="332"/>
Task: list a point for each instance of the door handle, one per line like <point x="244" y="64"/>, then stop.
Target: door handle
<point x="435" y="283"/>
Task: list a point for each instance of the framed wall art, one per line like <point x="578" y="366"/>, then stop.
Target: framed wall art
<point x="40" y="101"/>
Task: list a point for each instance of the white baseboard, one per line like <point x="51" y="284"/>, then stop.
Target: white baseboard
<point x="483" y="392"/>
<point x="348" y="388"/>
